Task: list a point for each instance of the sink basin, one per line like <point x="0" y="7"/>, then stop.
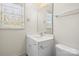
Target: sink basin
<point x="38" y="37"/>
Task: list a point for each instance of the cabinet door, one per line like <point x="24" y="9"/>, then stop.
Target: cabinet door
<point x="32" y="47"/>
<point x="46" y="48"/>
<point x="34" y="50"/>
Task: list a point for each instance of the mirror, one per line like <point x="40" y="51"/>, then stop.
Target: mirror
<point x="45" y="18"/>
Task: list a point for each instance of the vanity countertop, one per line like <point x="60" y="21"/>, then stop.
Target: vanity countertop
<point x="39" y="38"/>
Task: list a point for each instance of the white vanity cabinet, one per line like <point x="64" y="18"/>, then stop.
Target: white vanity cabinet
<point x="40" y="46"/>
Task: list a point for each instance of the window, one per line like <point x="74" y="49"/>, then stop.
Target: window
<point x="12" y="16"/>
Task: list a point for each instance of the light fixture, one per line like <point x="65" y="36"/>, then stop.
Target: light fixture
<point x="42" y="5"/>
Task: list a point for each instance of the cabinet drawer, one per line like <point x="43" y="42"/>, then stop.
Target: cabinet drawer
<point x="46" y="48"/>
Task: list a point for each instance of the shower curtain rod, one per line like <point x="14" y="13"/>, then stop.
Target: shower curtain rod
<point x="68" y="13"/>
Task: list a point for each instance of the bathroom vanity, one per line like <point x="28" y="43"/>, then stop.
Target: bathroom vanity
<point x="38" y="45"/>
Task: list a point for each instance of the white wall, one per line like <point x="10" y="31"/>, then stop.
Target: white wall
<point x="66" y="29"/>
<point x="12" y="42"/>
